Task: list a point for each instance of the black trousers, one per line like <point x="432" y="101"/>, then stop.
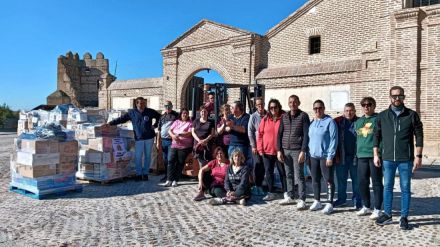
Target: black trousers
<point x="318" y="169"/>
<point x="269" y="165"/>
<point x="176" y="162"/>
<point x="367" y="169"/>
<point x="258" y="169"/>
<point x="215" y="191"/>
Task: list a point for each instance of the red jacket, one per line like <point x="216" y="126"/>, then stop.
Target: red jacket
<point x="267" y="136"/>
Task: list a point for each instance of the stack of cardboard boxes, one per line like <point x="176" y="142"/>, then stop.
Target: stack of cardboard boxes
<point x="103" y="155"/>
<point x="44" y="166"/>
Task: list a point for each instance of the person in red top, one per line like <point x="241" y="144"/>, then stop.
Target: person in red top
<point x="212" y="176"/>
<point x="267" y="146"/>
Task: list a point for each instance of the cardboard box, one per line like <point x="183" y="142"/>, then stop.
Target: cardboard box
<point x="102" y="144"/>
<point x="76" y="115"/>
<point x="119" y="145"/>
<point x="68" y="147"/>
<point x="39" y="146"/>
<point x="70" y="158"/>
<point x="66" y="168"/>
<point x="36" y="171"/>
<point x="30" y="159"/>
<point x="81" y="134"/>
<point x="101" y="131"/>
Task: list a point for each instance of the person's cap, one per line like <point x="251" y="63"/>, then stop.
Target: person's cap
<point x="168" y="104"/>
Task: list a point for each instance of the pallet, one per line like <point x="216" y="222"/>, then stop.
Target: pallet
<point x="99" y="181"/>
<point x="44" y="194"/>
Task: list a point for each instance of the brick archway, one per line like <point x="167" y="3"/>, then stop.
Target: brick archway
<point x="209" y="45"/>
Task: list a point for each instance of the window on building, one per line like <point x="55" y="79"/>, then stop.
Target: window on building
<point x="418" y="3"/>
<point x="315" y="45"/>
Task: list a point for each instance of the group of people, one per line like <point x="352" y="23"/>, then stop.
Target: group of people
<point x="240" y="153"/>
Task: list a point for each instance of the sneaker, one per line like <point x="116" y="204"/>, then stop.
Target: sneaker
<point x="404" y="223"/>
<point x="166" y="184"/>
<point x="316" y="206"/>
<point x="338" y="203"/>
<point x="376" y="214"/>
<point x="328" y="209"/>
<point x="301" y="205"/>
<point x="287" y="201"/>
<point x="174" y="184"/>
<point x="384" y="219"/>
<point x="216" y="201"/>
<point x="199" y="197"/>
<point x="242" y="202"/>
<point x="269" y="197"/>
<point x="364" y="211"/>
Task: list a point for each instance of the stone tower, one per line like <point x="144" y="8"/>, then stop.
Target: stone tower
<point x="79" y="80"/>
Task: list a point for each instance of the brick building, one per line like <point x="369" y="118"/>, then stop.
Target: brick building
<point x="337" y="51"/>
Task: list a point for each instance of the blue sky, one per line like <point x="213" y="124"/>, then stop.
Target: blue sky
<point x="34" y="33"/>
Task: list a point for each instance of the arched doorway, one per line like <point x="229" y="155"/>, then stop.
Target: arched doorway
<point x="197" y="88"/>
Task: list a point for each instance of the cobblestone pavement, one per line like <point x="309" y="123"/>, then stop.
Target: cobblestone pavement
<point x="145" y="214"/>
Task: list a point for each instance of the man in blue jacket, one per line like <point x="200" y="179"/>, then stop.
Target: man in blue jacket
<point x="396" y="128"/>
<point x="142" y="119"/>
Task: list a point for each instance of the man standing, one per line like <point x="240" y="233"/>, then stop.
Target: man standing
<point x="254" y="123"/>
<point x="293" y="140"/>
<point x="164" y="138"/>
<point x="396" y="128"/>
<point x="209" y="105"/>
<point x="237" y="127"/>
<point x="142" y="119"/>
<point x="345" y="158"/>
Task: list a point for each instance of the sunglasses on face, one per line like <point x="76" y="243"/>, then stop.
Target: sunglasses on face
<point x="367" y="105"/>
<point x="397" y="97"/>
<point x="318" y="108"/>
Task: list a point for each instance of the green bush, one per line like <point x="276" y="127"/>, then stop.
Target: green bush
<point x="6" y="112"/>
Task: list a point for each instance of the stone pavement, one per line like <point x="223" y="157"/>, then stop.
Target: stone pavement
<point x="145" y="214"/>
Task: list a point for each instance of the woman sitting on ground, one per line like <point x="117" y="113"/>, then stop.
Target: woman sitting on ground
<point x="212" y="176"/>
<point x="237" y="181"/>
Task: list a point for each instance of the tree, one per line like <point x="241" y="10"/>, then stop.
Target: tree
<point x="6" y="112"/>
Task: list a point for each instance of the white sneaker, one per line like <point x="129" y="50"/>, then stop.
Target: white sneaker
<point x="174" y="184"/>
<point x="216" y="201"/>
<point x="287" y="201"/>
<point x="328" y="209"/>
<point x="315" y="206"/>
<point x="269" y="197"/>
<point x="166" y="184"/>
<point x="364" y="211"/>
<point x="376" y="214"/>
<point x="242" y="202"/>
<point x="301" y="205"/>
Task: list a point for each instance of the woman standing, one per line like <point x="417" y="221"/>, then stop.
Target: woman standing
<point x="212" y="176"/>
<point x="266" y="146"/>
<point x="323" y="139"/>
<point x="181" y="147"/>
<point x="365" y="128"/>
<point x="203" y="132"/>
<point x="223" y="138"/>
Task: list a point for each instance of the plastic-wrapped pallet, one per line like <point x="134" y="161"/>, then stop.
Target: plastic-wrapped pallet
<point x="40" y="167"/>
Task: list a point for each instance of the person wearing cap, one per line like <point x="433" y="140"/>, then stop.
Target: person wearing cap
<point x="142" y="119"/>
<point x="164" y="139"/>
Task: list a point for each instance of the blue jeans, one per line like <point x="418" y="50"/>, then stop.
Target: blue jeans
<point x="166" y="147"/>
<point x="342" y="171"/>
<point x="389" y="173"/>
<point x="143" y="148"/>
<point x="246" y="150"/>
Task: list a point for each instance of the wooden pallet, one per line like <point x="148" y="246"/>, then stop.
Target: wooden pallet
<point x="99" y="181"/>
<point x="44" y="194"/>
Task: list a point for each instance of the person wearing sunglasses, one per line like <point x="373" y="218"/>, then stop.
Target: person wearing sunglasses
<point x="365" y="127"/>
<point x="397" y="128"/>
<point x="267" y="147"/>
<point x="345" y="159"/>
<point x="323" y="140"/>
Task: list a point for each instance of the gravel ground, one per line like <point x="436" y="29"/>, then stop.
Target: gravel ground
<point x="144" y="214"/>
